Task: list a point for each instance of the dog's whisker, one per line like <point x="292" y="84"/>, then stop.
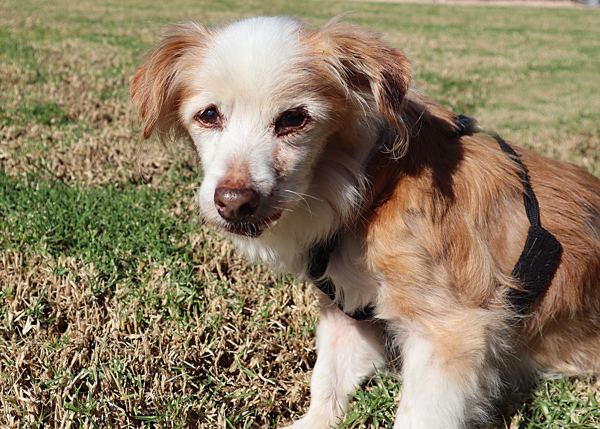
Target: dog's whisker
<point x="303" y="198"/>
<point x="303" y="195"/>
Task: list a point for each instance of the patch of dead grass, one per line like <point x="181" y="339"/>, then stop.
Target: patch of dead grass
<point x="116" y="359"/>
<point x="92" y="140"/>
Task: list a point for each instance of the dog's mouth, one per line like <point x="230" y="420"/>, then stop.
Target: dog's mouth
<point x="252" y="228"/>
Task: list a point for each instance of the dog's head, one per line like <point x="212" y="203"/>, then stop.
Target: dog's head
<point x="263" y="102"/>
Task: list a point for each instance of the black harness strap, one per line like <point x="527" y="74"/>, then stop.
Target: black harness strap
<point x="534" y="269"/>
<point x="318" y="260"/>
<point x="541" y="254"/>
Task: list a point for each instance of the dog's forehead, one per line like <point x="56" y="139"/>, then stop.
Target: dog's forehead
<point x="260" y="40"/>
<point x="256" y="56"/>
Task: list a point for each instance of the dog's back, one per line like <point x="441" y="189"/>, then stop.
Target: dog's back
<point x="455" y="225"/>
<point x="565" y="324"/>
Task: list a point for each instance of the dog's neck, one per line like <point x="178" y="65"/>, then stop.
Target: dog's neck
<point x="431" y="129"/>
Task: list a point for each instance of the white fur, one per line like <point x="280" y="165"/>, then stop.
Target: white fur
<point x="430" y="398"/>
<point x="348" y="353"/>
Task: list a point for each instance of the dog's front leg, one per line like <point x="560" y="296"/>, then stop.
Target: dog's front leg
<point x="348" y="351"/>
<point x="449" y="372"/>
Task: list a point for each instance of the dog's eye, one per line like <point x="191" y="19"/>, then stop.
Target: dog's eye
<point x="291" y="120"/>
<point x="209" y="117"/>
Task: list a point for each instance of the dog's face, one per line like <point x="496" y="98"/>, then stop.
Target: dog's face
<point x="259" y="121"/>
<point x="259" y="101"/>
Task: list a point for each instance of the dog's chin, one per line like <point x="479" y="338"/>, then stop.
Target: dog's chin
<point x="253" y="228"/>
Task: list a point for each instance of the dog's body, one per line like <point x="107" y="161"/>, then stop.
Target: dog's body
<point x="308" y="134"/>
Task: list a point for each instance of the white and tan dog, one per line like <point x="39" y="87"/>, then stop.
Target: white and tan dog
<point x="305" y="135"/>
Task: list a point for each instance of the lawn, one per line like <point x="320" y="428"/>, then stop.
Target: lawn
<point x="119" y="308"/>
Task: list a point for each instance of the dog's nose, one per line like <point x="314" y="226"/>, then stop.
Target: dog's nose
<point x="236" y="204"/>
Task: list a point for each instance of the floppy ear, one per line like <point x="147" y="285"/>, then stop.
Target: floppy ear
<point x="158" y="86"/>
<point x="364" y="62"/>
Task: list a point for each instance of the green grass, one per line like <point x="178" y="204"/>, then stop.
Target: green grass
<point x="98" y="224"/>
<point x="375" y="404"/>
<point x="118" y="307"/>
<point x="560" y="403"/>
<point x="118" y="228"/>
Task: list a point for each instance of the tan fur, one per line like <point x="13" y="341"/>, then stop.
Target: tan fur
<point x="159" y="85"/>
<point x="366" y="63"/>
<point x="238" y="177"/>
<point x="447" y="243"/>
<point x="430" y="225"/>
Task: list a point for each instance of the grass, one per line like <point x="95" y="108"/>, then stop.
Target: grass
<point x="109" y="292"/>
<point x="119" y="308"/>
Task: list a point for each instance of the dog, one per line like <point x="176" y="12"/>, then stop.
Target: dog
<point x="320" y="158"/>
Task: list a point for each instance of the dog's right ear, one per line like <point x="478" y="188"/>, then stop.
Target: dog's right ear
<point x="365" y="63"/>
<point x="157" y="86"/>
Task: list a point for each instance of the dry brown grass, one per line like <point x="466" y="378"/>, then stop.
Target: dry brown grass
<point x="90" y="136"/>
<point x="96" y="353"/>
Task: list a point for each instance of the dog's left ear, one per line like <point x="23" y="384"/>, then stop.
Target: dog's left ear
<point x="364" y="62"/>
